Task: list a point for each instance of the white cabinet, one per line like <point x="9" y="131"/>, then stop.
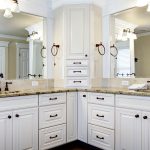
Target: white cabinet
<point x="6" y="131"/>
<point x="72" y="112"/>
<point x="19" y="127"/>
<point x="77" y="28"/>
<point x="25" y="129"/>
<point x="128" y="129"/>
<point x="101" y="120"/>
<point x="77" y="31"/>
<point x="82" y="116"/>
<point x="132" y="122"/>
<point x="52" y="120"/>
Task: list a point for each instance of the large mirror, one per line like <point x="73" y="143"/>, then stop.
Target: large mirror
<point x="22" y="51"/>
<point x="131" y="36"/>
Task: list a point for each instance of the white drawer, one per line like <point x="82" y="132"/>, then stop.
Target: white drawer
<point x="101" y="137"/>
<point x="52" y="137"/>
<point x="133" y="102"/>
<point x="52" y="115"/>
<point x="49" y="99"/>
<point x="77" y="72"/>
<point x="77" y="82"/>
<point x="103" y="99"/>
<point x="19" y="102"/>
<point x="101" y="115"/>
<point x="77" y="63"/>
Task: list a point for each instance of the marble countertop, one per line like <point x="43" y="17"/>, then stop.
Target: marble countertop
<point x="59" y="90"/>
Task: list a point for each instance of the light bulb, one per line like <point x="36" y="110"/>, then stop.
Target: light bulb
<point x="134" y="36"/>
<point x="124" y="35"/>
<point x="8" y="13"/>
<point x="141" y="3"/>
<point x="15" y="8"/>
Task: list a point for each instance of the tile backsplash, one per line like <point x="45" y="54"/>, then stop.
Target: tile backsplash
<point x="19" y="85"/>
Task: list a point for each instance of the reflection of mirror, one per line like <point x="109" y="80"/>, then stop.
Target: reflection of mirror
<point x="132" y="38"/>
<point x="20" y="51"/>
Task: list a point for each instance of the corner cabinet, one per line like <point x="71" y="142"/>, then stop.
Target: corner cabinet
<point x="77" y="28"/>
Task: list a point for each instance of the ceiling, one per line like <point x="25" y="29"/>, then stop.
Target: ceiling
<point x="16" y="25"/>
<point x="138" y="16"/>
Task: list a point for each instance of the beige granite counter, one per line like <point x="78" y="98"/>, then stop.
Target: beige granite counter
<point x="59" y="90"/>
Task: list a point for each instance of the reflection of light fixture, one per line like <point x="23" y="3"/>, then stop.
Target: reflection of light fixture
<point x="128" y="34"/>
<point x="8" y="13"/>
<point x="33" y="36"/>
<point x="141" y="3"/>
<point x="10" y="6"/>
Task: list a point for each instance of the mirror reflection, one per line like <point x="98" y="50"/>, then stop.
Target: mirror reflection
<point x="21" y="46"/>
<point x="131" y="30"/>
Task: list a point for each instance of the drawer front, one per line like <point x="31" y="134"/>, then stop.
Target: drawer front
<point x="77" y="63"/>
<point x="19" y="102"/>
<point x="77" y="72"/>
<point x="49" y="99"/>
<point x="101" y="137"/>
<point x="133" y="102"/>
<point x="52" y="115"/>
<point x="103" y="99"/>
<point x="52" y="137"/>
<point x="77" y="82"/>
<point x="101" y="115"/>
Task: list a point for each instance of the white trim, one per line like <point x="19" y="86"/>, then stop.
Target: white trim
<point x="12" y="37"/>
<point x="18" y="47"/>
<point x="4" y="44"/>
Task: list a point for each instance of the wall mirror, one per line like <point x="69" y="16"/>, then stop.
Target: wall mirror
<point x="22" y="52"/>
<point x="131" y="36"/>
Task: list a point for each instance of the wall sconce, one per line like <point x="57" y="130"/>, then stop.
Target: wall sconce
<point x="128" y="34"/>
<point x="33" y="36"/>
<point x="10" y="6"/>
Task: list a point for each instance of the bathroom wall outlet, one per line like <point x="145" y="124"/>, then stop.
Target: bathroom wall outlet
<point x="35" y="83"/>
<point x="125" y="83"/>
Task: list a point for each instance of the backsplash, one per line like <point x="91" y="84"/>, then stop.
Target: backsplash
<point x="19" y="85"/>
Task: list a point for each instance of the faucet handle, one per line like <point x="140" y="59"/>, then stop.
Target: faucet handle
<point x="6" y="87"/>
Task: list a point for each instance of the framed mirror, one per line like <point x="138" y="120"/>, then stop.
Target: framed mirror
<point x="131" y="36"/>
<point x="22" y="52"/>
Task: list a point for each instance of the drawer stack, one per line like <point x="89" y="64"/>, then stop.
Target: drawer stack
<point x="52" y="120"/>
<point x="101" y="120"/>
<point x="77" y="73"/>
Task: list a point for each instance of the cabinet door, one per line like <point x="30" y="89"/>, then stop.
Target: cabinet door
<point x="146" y="131"/>
<point x="128" y="129"/>
<point x="72" y="116"/>
<point x="82" y="116"/>
<point x="25" y="129"/>
<point x="6" y="131"/>
<point x="77" y="31"/>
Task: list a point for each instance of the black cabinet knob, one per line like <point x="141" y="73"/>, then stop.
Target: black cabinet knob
<point x="86" y="55"/>
<point x="137" y="116"/>
<point x="17" y="115"/>
<point x="9" y="117"/>
<point x="145" y="117"/>
<point x="84" y="95"/>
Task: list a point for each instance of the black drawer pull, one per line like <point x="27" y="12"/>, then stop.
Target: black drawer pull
<point x="145" y="117"/>
<point x="101" y="116"/>
<point x="17" y="116"/>
<point x="77" y="71"/>
<point x="84" y="95"/>
<point x="77" y="81"/>
<point x="52" y="99"/>
<point x="9" y="117"/>
<point x="101" y="138"/>
<point x="137" y="116"/>
<point x="52" y="116"/>
<point x="53" y="137"/>
<point x="75" y="63"/>
<point x="100" y="98"/>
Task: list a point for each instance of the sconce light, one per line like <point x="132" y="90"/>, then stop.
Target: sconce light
<point x="10" y="6"/>
<point x="128" y="34"/>
<point x="33" y="36"/>
<point x="141" y="3"/>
